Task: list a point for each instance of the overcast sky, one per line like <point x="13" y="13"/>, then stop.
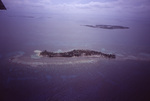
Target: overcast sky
<point x="133" y="7"/>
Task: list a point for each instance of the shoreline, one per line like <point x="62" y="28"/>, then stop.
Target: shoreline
<point x="36" y="59"/>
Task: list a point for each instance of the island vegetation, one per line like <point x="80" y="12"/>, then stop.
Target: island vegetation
<point x="76" y="53"/>
<point x="107" y="26"/>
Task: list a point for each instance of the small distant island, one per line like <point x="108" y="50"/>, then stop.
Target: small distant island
<point x="107" y="26"/>
<point x="2" y="7"/>
<point x="77" y="53"/>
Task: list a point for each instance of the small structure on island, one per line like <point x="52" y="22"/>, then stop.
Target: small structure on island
<point x="2" y="7"/>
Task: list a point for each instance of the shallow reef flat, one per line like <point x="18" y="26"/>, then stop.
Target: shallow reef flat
<point x="36" y="59"/>
<point x="26" y="60"/>
<point x="40" y="58"/>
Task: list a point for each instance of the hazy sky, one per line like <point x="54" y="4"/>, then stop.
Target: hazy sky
<point x="124" y="7"/>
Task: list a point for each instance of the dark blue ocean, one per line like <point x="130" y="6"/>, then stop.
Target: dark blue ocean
<point x="123" y="79"/>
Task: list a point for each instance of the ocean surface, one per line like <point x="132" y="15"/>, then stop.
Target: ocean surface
<point x="125" y="78"/>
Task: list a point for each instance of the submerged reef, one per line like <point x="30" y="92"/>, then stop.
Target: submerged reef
<point x="2" y="7"/>
<point x="77" y="53"/>
<point x="107" y="26"/>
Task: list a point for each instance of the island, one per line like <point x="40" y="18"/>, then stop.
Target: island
<point x="2" y="7"/>
<point x="77" y="53"/>
<point x="107" y="26"/>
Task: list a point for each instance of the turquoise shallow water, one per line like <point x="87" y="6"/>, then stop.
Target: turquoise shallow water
<point x="118" y="79"/>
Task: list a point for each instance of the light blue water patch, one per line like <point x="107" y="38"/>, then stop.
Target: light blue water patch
<point x="107" y="80"/>
<point x="0" y="56"/>
<point x="26" y="78"/>
<point x="48" y="77"/>
<point x="146" y="55"/>
<point x="64" y="77"/>
<point x="23" y="78"/>
<point x="35" y="57"/>
<point x="90" y="74"/>
<point x="111" y="82"/>
<point x="59" y="51"/>
<point x="143" y="56"/>
<point x="120" y="55"/>
<point x="101" y="74"/>
<point x="10" y="70"/>
<point x="103" y="50"/>
<point x="19" y="53"/>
